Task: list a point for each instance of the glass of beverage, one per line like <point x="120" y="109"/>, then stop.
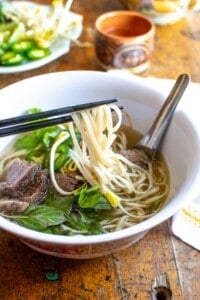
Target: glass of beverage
<point x="161" y="12"/>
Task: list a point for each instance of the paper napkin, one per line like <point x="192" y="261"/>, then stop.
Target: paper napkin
<point x="186" y="224"/>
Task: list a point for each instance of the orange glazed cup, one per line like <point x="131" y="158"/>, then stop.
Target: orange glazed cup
<point x="124" y="40"/>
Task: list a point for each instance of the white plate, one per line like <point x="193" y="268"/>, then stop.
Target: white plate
<point x="59" y="48"/>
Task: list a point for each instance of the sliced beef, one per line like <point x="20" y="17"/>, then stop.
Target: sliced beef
<point x="37" y="188"/>
<point x="12" y="206"/>
<point x="18" y="176"/>
<point x="134" y="156"/>
<point x="68" y="181"/>
<point x="23" y="182"/>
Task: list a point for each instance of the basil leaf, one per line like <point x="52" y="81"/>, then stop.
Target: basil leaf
<point x="96" y="215"/>
<point x="94" y="201"/>
<point x="54" y="230"/>
<point x="79" y="221"/>
<point x="30" y="223"/>
<point x="92" y="198"/>
<point x="42" y="215"/>
<point x="64" y="203"/>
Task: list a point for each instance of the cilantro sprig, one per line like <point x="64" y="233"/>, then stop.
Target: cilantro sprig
<point x="38" y="144"/>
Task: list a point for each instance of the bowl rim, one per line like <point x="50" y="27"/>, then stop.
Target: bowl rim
<point x="29" y="234"/>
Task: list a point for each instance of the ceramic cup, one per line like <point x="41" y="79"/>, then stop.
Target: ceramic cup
<point x="124" y="40"/>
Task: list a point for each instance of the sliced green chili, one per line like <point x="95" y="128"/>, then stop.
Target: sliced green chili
<point x="11" y="58"/>
<point x="38" y="53"/>
<point x="23" y="46"/>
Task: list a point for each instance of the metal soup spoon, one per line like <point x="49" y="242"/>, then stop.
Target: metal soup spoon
<point x="150" y="142"/>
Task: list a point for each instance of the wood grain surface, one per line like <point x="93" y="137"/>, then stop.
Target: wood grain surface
<point x="129" y="274"/>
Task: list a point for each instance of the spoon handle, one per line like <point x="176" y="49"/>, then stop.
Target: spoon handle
<point x="153" y="137"/>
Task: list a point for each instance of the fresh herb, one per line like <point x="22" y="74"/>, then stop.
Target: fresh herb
<point x="81" y="213"/>
<point x="40" y="217"/>
<point x="92" y="198"/>
<point x="52" y="276"/>
<point x="64" y="203"/>
<point x="80" y="221"/>
<point x="39" y="142"/>
<point x="27" y="142"/>
<point x="64" y="215"/>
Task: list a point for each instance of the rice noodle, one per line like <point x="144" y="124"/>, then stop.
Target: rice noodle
<point x="140" y="193"/>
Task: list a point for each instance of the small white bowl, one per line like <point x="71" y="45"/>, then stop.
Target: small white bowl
<point x="181" y="149"/>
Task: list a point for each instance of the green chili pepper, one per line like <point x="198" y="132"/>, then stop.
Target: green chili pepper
<point x="11" y="58"/>
<point x="60" y="161"/>
<point x="23" y="46"/>
<point x="35" y="155"/>
<point x="38" y="53"/>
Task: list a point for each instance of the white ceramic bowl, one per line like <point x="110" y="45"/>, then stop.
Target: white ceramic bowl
<point x="181" y="149"/>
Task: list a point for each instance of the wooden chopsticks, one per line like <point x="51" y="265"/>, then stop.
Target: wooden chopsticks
<point x="47" y="118"/>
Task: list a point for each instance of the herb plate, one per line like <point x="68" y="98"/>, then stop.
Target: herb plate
<point x="58" y="49"/>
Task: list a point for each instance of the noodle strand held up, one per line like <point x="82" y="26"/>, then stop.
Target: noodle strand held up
<point x="136" y="192"/>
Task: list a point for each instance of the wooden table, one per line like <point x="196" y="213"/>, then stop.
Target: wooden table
<point x="128" y="274"/>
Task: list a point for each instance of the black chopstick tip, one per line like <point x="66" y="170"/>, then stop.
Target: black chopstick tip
<point x="54" y="112"/>
<point x="42" y="119"/>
